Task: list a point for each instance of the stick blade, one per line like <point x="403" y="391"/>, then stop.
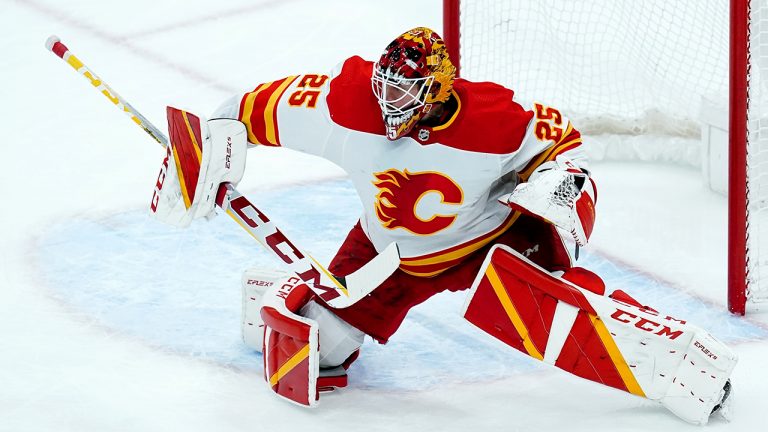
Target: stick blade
<point x="368" y="277"/>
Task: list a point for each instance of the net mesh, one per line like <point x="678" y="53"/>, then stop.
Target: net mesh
<point x="757" y="154"/>
<point x="630" y="68"/>
<point x="580" y="55"/>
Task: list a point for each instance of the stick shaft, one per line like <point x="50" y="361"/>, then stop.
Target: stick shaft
<point x="57" y="47"/>
<point x="253" y="220"/>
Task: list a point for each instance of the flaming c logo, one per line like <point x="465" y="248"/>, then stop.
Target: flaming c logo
<point x="400" y="193"/>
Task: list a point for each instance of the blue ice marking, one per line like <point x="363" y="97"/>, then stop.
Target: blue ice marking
<point x="179" y="290"/>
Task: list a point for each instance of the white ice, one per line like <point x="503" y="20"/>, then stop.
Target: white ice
<point x="96" y="335"/>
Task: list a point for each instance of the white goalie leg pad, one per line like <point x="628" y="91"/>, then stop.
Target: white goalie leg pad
<point x="675" y="363"/>
<point x="698" y="382"/>
<point x="255" y="283"/>
<point x="338" y="340"/>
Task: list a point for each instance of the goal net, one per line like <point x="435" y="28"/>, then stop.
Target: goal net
<point x="632" y="68"/>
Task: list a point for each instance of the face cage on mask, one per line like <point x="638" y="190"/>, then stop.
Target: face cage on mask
<point x="410" y="94"/>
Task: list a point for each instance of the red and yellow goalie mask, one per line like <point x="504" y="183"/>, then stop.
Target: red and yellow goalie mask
<point x="413" y="74"/>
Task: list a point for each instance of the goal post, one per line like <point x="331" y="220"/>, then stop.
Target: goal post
<point x="632" y="68"/>
<point x="451" y="32"/>
<point x="737" y="156"/>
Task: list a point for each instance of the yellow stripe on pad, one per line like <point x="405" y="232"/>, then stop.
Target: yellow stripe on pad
<point x="514" y="316"/>
<point x="192" y="135"/>
<point x="179" y="172"/>
<point x="182" y="185"/>
<point x="289" y="365"/>
<point x="618" y="360"/>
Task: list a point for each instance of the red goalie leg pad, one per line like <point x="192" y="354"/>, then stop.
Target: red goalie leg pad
<point x="186" y="142"/>
<point x="628" y="299"/>
<point x="609" y="340"/>
<point x="291" y="364"/>
<point x="585" y="279"/>
<point x="524" y="306"/>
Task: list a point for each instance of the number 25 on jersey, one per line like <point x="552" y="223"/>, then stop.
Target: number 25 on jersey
<point x="549" y="123"/>
<point x="307" y="94"/>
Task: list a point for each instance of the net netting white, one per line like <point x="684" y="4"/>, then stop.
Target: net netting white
<point x="757" y="154"/>
<point x="629" y="68"/>
<point x="615" y="65"/>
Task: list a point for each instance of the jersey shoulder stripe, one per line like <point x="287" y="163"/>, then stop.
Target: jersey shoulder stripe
<point x="258" y="111"/>
<point x="571" y="140"/>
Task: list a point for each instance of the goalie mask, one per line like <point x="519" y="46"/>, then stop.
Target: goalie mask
<point x="413" y="73"/>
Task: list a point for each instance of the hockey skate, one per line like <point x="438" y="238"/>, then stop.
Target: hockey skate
<point x="723" y="408"/>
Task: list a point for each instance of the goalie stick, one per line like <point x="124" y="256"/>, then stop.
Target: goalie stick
<point x="335" y="293"/>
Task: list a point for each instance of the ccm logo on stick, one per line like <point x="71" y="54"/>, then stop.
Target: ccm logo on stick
<point x="283" y="248"/>
<point x="287" y="287"/>
<point x="645" y="324"/>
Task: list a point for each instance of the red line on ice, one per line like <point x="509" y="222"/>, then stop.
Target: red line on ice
<point x="202" y="20"/>
<point x="124" y="42"/>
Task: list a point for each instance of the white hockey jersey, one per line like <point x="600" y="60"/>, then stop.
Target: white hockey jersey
<point x="433" y="192"/>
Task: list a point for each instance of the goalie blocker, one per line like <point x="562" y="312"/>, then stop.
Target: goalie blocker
<point x="616" y="343"/>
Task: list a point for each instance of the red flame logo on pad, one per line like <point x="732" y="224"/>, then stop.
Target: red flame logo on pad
<point x="400" y="193"/>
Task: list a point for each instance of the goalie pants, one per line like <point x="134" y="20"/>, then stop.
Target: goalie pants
<point x="381" y="312"/>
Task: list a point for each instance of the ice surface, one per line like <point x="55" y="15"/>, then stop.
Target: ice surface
<point x="108" y="269"/>
<point x="95" y="337"/>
